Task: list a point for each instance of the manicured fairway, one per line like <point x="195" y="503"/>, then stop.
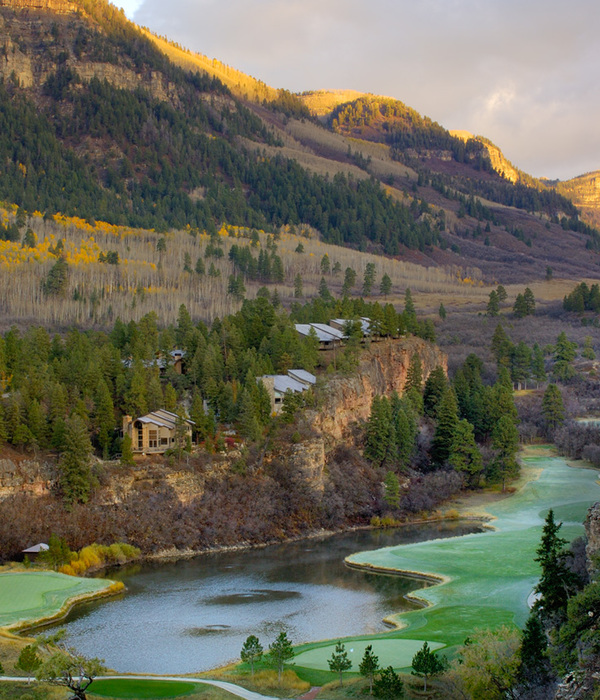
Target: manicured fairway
<point x="26" y="597"/>
<point x="488" y="576"/>
<point x="391" y="652"/>
<point x="139" y="689"/>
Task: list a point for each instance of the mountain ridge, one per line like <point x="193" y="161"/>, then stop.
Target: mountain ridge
<point x="105" y="125"/>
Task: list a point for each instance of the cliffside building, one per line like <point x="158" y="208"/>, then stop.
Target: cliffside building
<point x="156" y="432"/>
<point x="296" y="381"/>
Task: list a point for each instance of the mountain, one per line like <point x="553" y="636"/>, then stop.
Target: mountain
<point x="103" y="120"/>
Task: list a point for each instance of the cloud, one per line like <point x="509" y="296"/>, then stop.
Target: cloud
<point x="522" y="74"/>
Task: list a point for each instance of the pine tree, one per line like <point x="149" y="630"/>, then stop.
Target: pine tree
<point x="534" y="668"/>
<point x="104" y="417"/>
<point x="493" y="307"/>
<point x="442" y="312"/>
<point x="339" y="661"/>
<point x="385" y="287"/>
<point x="369" y="666"/>
<point x="325" y="265"/>
<point x="298" y="291"/>
<point x="435" y="386"/>
<point x="76" y="480"/>
<point x="538" y="366"/>
<point x="564" y="354"/>
<point x="447" y="421"/>
<point x="505" y="439"/>
<point x="252" y="651"/>
<point x="465" y="456"/>
<point x="426" y="664"/>
<point x="380" y="438"/>
<point x="553" y="408"/>
<point x="391" y="485"/>
<point x="557" y="583"/>
<point x="388" y="686"/>
<point x="127" y="451"/>
<point x="349" y="281"/>
<point x="413" y="388"/>
<point x="368" y="279"/>
<point x="280" y="652"/>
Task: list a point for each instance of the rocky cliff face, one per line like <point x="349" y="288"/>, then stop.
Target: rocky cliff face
<point x="26" y="476"/>
<point x="383" y="369"/>
<point x="58" y="6"/>
<point x="592" y="531"/>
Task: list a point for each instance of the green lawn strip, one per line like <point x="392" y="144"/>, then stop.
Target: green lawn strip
<point x="487" y="577"/>
<point x="142" y="688"/>
<point x="26" y="597"/>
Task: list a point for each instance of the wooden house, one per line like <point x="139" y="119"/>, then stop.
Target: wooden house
<point x="156" y="432"/>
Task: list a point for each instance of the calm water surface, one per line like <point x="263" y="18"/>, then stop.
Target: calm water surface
<point x="194" y="615"/>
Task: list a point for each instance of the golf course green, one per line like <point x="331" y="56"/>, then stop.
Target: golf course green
<point x="483" y="579"/>
<point x="29" y="597"/>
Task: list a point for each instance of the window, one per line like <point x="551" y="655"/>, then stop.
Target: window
<point x="152" y="438"/>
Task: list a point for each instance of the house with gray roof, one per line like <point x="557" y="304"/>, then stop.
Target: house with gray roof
<point x="156" y="432"/>
<point x="296" y="381"/>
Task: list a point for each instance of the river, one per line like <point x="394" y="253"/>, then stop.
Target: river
<point x="194" y="614"/>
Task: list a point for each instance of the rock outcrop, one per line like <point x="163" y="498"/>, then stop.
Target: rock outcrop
<point x="592" y="531"/>
<point x="382" y="370"/>
<point x="59" y="6"/>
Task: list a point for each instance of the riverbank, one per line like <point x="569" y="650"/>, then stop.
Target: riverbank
<point x="34" y="599"/>
<point x="483" y="580"/>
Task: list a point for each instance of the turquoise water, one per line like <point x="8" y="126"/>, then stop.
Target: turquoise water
<point x="488" y="576"/>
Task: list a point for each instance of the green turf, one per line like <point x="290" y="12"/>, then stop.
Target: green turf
<point x="489" y="575"/>
<point x="140" y="689"/>
<point x="391" y="652"/>
<point x="26" y="597"/>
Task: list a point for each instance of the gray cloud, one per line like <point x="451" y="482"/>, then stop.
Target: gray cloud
<point x="524" y="74"/>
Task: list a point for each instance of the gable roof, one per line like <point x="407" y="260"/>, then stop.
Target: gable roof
<point x="163" y="418"/>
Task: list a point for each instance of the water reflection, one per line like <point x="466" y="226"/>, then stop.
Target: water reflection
<point x="194" y="615"/>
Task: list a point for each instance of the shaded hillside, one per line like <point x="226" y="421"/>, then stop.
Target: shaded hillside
<point x="98" y="123"/>
<point x="104" y="121"/>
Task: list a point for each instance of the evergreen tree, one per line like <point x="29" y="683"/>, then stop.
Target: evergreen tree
<point x="553" y="408"/>
<point x="339" y="661"/>
<point x="247" y="420"/>
<point x="588" y="349"/>
<point x="391" y="485"/>
<point x="388" y="686"/>
<point x="325" y="265"/>
<point x="505" y="439"/>
<point x="280" y="652"/>
<point x="369" y="666"/>
<point x="127" y="451"/>
<point x="557" y="583"/>
<point x="426" y="664"/>
<point x="76" y="480"/>
<point x="385" y="286"/>
<point x="534" y="668"/>
<point x="564" y="354"/>
<point x="493" y="307"/>
<point x="520" y="363"/>
<point x="252" y="651"/>
<point x="380" y="438"/>
<point x="501" y="293"/>
<point x="413" y="388"/>
<point x="447" y="422"/>
<point x="501" y="346"/>
<point x="465" y="456"/>
<point x="199" y="267"/>
<point x="298" y="291"/>
<point x="349" y="281"/>
<point x="435" y="386"/>
<point x="409" y="314"/>
<point x="324" y="293"/>
<point x="442" y="312"/>
<point x="368" y="279"/>
<point x="57" y="554"/>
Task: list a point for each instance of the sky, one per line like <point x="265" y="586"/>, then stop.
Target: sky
<point x="523" y="73"/>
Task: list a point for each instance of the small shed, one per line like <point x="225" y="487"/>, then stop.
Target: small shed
<point x="32" y="553"/>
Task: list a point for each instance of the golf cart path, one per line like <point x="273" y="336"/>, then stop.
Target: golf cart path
<point x="229" y="687"/>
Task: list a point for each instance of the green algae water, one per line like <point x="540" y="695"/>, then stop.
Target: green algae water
<point x="486" y="578"/>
